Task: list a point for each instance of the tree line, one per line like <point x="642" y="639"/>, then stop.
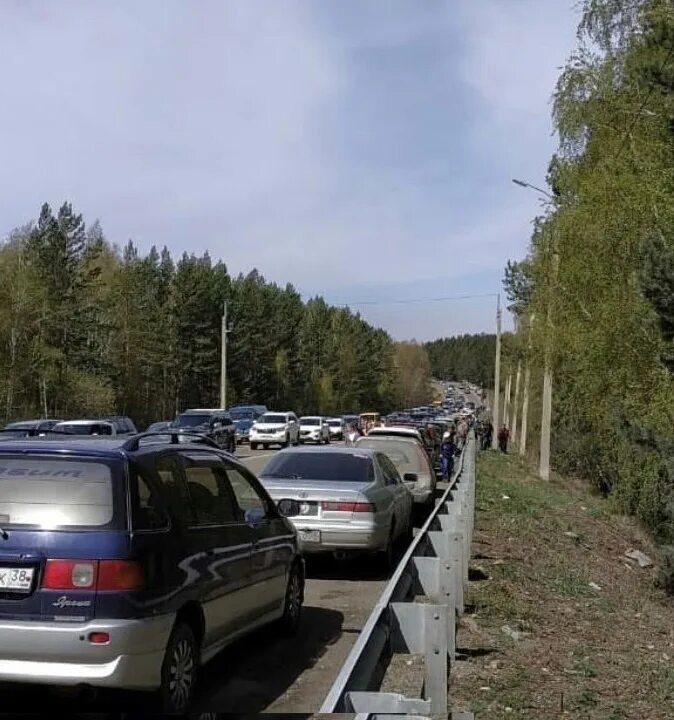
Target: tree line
<point x="88" y="328"/>
<point x="595" y="292"/>
<point x="463" y="357"/>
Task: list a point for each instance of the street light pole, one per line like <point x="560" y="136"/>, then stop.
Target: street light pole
<point x="223" y="359"/>
<point x="497" y="376"/>
<point x="546" y="413"/>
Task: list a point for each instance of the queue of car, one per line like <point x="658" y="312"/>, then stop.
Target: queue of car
<point x="129" y="559"/>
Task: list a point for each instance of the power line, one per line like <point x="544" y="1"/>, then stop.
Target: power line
<point x="416" y="301"/>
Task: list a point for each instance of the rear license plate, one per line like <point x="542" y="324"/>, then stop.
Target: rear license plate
<point x="19" y="579"/>
<point x="310" y="536"/>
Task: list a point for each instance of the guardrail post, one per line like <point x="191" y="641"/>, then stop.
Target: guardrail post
<point x="423" y="629"/>
<point x="448" y="547"/>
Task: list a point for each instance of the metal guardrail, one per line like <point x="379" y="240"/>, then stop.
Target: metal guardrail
<point x="416" y="614"/>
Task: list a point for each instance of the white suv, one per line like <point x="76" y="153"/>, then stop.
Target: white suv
<point x="275" y="428"/>
<point x="314" y="429"/>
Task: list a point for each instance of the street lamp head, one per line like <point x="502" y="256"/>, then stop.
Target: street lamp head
<point x="521" y="183"/>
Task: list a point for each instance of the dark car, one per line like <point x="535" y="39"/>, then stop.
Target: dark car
<point x="243" y="430"/>
<point x="126" y="563"/>
<point x="27" y="428"/>
<point x="214" y="424"/>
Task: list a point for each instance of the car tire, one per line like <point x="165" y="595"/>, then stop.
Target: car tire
<point x="389" y="552"/>
<point x="179" y="670"/>
<point x="265" y="447"/>
<point x="253" y="446"/>
<point x="292" y="608"/>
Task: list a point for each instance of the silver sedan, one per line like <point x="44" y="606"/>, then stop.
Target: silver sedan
<point x="412" y="462"/>
<point x="350" y="499"/>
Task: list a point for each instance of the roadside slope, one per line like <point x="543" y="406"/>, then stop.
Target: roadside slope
<point x="563" y="624"/>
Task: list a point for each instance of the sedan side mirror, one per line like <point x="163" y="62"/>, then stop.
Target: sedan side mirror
<point x="288" y="508"/>
<point x="410" y="477"/>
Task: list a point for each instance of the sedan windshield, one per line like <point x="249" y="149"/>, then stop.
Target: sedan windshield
<point x="406" y="456"/>
<point x="335" y="423"/>
<point x="273" y="419"/>
<point x="310" y="421"/>
<point x="192" y="419"/>
<point x="331" y="467"/>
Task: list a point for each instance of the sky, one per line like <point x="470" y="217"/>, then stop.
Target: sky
<point x="358" y="149"/>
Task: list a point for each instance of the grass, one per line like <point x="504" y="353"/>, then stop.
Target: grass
<point x="597" y="651"/>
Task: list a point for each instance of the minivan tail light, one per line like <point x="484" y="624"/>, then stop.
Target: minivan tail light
<point x="119" y="575"/>
<point x="348" y="506"/>
<point x="92" y="575"/>
<point x="70" y="574"/>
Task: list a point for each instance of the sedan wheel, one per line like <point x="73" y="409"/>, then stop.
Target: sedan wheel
<point x="292" y="610"/>
<point x="389" y="553"/>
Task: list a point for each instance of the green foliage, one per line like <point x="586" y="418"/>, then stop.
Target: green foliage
<point x="517" y="283"/>
<point x="87" y="329"/>
<point x="601" y="262"/>
<point x="464" y="357"/>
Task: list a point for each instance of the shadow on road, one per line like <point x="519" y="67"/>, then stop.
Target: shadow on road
<point x="252" y="673"/>
<point x="358" y="567"/>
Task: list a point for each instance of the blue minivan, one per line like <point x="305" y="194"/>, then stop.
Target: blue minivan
<point x="126" y="563"/>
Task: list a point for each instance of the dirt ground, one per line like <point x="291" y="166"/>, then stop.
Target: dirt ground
<point x="561" y="624"/>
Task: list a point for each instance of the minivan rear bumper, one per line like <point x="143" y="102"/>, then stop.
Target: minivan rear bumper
<point x="61" y="654"/>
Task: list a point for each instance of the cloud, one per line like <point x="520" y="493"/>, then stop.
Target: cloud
<point x="340" y="146"/>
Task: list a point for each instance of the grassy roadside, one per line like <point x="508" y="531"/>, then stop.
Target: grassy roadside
<point x="563" y="624"/>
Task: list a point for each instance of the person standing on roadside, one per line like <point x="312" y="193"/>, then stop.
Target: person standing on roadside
<point x="448" y="450"/>
<point x="503" y="435"/>
<point x="487" y="435"/>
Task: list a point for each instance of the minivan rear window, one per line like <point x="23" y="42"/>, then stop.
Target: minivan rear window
<point x="50" y="493"/>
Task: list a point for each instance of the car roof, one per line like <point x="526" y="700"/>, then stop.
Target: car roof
<point x="83" y="422"/>
<point x="380" y="437"/>
<point x="326" y="451"/>
<point x="97" y="446"/>
<point x="396" y="428"/>
<point x="312" y="417"/>
<point x="202" y="410"/>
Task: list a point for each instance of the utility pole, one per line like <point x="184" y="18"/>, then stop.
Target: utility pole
<point x="513" y="416"/>
<point x="546" y="414"/>
<point x="497" y="376"/>
<point x="506" y="399"/>
<point x="525" y="395"/>
<point x="223" y="359"/>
